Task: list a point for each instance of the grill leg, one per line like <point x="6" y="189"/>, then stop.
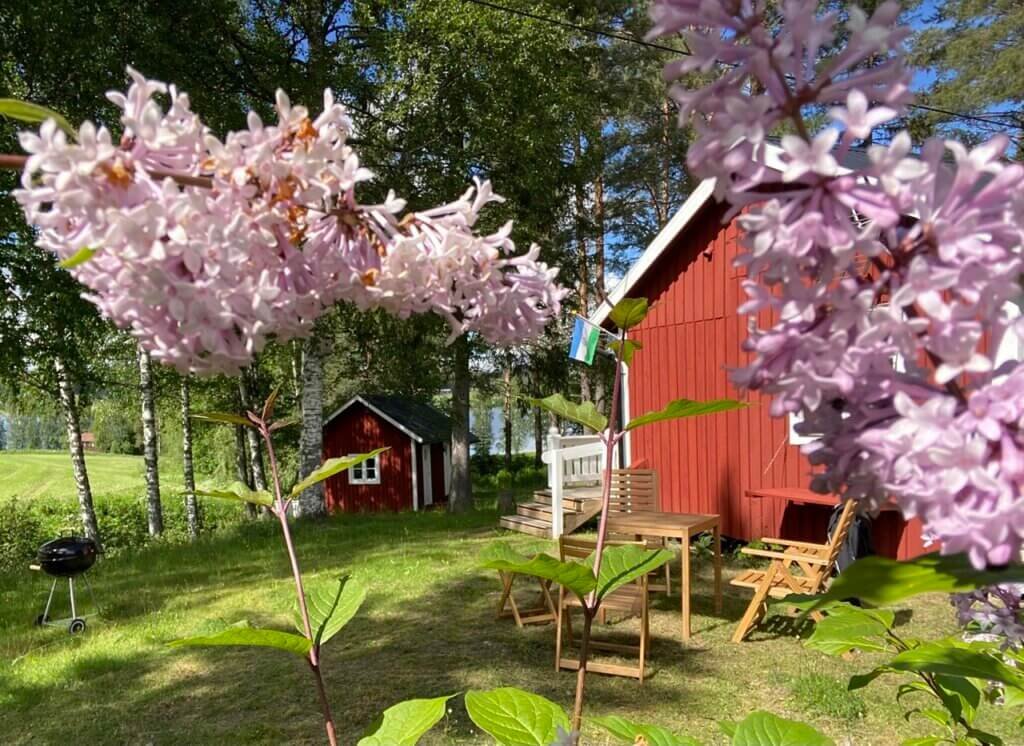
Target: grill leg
<point x="71" y="592"/>
<point x="49" y="600"/>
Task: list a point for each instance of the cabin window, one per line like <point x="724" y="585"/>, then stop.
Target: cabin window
<point x="365" y="472"/>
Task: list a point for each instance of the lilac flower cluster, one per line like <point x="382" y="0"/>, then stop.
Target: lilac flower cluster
<point x="993" y="610"/>
<point x="205" y="247"/>
<point x="887" y="283"/>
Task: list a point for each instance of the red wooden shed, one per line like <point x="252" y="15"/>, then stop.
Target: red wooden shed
<point x="744" y="465"/>
<point x="414" y="474"/>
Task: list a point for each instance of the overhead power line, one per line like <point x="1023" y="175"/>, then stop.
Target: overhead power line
<point x="664" y="48"/>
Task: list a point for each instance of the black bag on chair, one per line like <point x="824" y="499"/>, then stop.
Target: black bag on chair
<point x="858" y="539"/>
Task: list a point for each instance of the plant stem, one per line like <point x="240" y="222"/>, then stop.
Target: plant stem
<point x="591" y="605"/>
<point x="282" y="516"/>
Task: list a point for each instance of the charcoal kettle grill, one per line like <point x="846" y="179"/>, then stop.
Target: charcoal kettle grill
<point x="66" y="557"/>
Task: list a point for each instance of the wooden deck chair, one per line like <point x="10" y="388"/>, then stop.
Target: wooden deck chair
<point x="630" y="599"/>
<point x="801" y="567"/>
<point x="635" y="490"/>
<point x="544" y="612"/>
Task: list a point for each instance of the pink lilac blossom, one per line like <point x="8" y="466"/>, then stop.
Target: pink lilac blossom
<point x="205" y="248"/>
<point x="887" y="282"/>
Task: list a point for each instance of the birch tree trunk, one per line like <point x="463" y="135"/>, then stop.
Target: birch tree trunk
<point x="154" y="510"/>
<point x="242" y="467"/>
<point x="191" y="504"/>
<point x="311" y="440"/>
<point x="69" y="403"/>
<point x="259" y="477"/>
<point x="461" y="498"/>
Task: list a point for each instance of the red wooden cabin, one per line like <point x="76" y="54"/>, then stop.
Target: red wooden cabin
<point x="743" y="465"/>
<point x="414" y="474"/>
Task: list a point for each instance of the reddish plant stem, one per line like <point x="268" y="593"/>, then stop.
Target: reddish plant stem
<point x="590" y="607"/>
<point x="280" y="509"/>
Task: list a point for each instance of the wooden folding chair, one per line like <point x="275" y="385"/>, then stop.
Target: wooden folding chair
<point x="801" y="567"/>
<point x="630" y="599"/>
<point x="543" y="613"/>
<point x="633" y="491"/>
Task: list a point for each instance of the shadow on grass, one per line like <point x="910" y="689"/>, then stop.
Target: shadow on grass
<point x="428" y="628"/>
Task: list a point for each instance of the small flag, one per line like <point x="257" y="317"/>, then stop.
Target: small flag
<point x="584" y="341"/>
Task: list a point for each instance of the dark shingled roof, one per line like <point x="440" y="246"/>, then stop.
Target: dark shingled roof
<point x="427" y="423"/>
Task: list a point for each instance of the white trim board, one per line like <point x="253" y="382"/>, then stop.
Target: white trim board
<point x="376" y="411"/>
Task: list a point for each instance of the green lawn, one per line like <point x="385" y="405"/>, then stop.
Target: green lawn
<point x="427" y="628"/>
<point x="28" y="475"/>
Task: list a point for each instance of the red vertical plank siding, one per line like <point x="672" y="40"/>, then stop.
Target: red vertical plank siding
<point x="358" y="430"/>
<point x="691" y="337"/>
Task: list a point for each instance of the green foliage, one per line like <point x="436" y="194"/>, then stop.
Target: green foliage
<point x="949" y="657"/>
<point x="681" y="408"/>
<point x="331" y="609"/>
<point x="629" y="732"/>
<point x="405" y="723"/>
<point x="628" y="312"/>
<point x="849" y="628"/>
<point x="25" y="111"/>
<point x="333" y="466"/>
<point x="880" y="581"/>
<point x="26" y="524"/>
<point x="624" y="564"/>
<point x="513" y="717"/>
<point x="585" y="414"/>
<point x="765" y="729"/>
<point x="243" y="635"/>
<point x="575" y="576"/>
<point x="240" y="492"/>
<point x="821" y="695"/>
<point x="629" y="348"/>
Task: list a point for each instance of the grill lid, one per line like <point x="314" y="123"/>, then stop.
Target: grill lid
<point x="68" y="555"/>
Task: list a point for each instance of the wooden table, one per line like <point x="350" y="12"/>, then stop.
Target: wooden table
<point x="675" y="526"/>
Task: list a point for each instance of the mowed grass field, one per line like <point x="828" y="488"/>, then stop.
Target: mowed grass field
<point x="31" y="475"/>
<point x="427" y="628"/>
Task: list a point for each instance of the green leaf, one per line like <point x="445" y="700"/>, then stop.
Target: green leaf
<point x="624" y="564"/>
<point x="239" y="491"/>
<point x="25" y="111"/>
<point x="952" y="657"/>
<point x="728" y="727"/>
<point x="244" y="635"/>
<point x="949" y="657"/>
<point x="630" y="732"/>
<point x="513" y="717"/>
<point x="333" y="466"/>
<point x="79" y="257"/>
<point x="585" y="414"/>
<point x="629" y="347"/>
<point x="628" y="312"/>
<point x="405" y="723"/>
<point x="960" y="696"/>
<point x="681" y="408"/>
<point x="765" y="729"/>
<point x="848" y="628"/>
<point x="575" y="576"/>
<point x="881" y="581"/>
<point x="224" y="418"/>
<point x="331" y="608"/>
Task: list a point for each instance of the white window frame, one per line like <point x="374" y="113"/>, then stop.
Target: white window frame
<point x="357" y="473"/>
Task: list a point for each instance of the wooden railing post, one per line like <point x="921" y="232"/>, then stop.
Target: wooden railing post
<point x="555" y="479"/>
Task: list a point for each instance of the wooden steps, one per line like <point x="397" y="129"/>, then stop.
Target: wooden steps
<point x="579" y="505"/>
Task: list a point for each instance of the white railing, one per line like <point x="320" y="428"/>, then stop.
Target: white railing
<point x="571" y="460"/>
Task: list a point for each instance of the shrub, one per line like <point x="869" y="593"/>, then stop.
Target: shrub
<point x="25" y="525"/>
